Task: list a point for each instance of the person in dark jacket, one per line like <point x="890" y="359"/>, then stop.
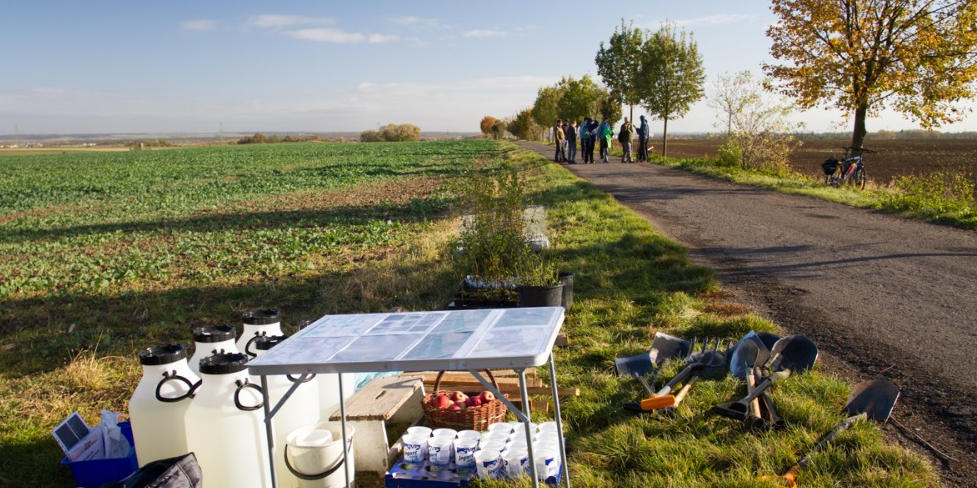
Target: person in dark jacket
<point x="558" y="139"/>
<point x="592" y="138"/>
<point x="643" y="134"/>
<point x="624" y="136"/>
<point x="571" y="133"/>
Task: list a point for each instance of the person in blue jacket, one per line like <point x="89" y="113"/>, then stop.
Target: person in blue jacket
<point x="643" y="134"/>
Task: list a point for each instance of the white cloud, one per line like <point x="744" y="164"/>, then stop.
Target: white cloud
<point x="198" y="25"/>
<point x="270" y="21"/>
<point x="339" y="36"/>
<point x="718" y="19"/>
<point x="484" y="33"/>
<point x="411" y="20"/>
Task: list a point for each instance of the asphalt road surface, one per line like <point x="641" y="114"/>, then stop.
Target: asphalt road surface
<point x="880" y="294"/>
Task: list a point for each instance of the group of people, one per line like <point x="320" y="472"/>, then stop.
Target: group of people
<point x="592" y="133"/>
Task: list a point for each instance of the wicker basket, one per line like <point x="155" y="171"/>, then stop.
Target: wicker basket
<point x="470" y="418"/>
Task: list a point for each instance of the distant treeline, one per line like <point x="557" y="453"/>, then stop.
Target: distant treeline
<point x="259" y="138"/>
<point x="890" y="135"/>
<point x="392" y="133"/>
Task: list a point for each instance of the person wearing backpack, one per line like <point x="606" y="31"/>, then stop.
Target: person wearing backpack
<point x="643" y="135"/>
<point x="625" y="136"/>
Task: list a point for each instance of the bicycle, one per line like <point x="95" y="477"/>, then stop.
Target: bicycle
<point x="850" y="169"/>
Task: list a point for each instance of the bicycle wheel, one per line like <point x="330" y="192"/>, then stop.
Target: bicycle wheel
<point x="858" y="179"/>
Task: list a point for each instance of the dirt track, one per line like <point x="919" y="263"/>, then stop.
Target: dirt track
<point x="880" y="294"/>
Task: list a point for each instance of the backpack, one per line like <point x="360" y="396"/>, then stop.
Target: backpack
<point x="175" y="472"/>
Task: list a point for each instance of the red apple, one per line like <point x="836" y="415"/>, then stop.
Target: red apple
<point x="460" y="404"/>
<point x="487" y="396"/>
<point x="457" y="396"/>
<point x="443" y="401"/>
<point x="475" y="401"/>
<point x="456" y="407"/>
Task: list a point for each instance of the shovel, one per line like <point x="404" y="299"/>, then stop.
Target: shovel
<point x="750" y="352"/>
<point x="869" y="400"/>
<point x="663" y="348"/>
<point x="794" y="353"/>
<point x="703" y="363"/>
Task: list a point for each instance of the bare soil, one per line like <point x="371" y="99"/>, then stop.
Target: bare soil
<point x="882" y="295"/>
<point x="893" y="157"/>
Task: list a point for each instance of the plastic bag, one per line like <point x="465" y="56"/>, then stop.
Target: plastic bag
<point x="116" y="446"/>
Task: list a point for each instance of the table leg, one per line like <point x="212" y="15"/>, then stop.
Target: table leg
<point x="342" y="420"/>
<point x="559" y="423"/>
<point x="529" y="435"/>
<point x="269" y="432"/>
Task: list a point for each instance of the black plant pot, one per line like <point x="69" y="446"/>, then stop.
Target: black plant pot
<point x="540" y="296"/>
<point x="567" y="278"/>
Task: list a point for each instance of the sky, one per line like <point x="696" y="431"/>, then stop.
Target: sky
<point x="182" y="66"/>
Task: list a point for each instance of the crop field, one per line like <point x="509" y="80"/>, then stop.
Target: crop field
<point x="893" y="158"/>
<point x="104" y="253"/>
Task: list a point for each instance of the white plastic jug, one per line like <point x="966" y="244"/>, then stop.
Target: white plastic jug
<point x="314" y="455"/>
<point x="258" y="323"/>
<point x="329" y="387"/>
<point x="211" y="339"/>
<point x="301" y="409"/>
<point x="159" y="403"/>
<point x="225" y="425"/>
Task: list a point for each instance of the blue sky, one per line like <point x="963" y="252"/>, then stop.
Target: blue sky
<point x="92" y="67"/>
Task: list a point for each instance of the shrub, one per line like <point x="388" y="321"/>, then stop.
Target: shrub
<point x="765" y="151"/>
<point x="392" y="133"/>
<point x="729" y="155"/>
<point x="944" y="191"/>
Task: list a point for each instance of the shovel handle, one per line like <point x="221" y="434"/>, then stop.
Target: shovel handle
<point x="679" y="378"/>
<point x="685" y="390"/>
<point x="764" y="384"/>
<point x="750" y="386"/>
<point x="826" y="438"/>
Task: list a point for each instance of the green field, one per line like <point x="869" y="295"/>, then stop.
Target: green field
<point x="104" y="253"/>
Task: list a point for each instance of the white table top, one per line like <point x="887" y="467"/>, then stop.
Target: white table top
<point x="417" y="341"/>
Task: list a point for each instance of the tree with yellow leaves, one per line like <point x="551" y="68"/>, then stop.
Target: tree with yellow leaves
<point x="916" y="56"/>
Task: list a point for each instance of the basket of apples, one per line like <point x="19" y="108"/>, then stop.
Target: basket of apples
<point x="463" y="410"/>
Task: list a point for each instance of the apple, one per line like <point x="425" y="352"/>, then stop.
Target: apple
<point x="456" y="407"/>
<point x="487" y="396"/>
<point x="475" y="401"/>
<point x="443" y="402"/>
<point x="457" y="396"/>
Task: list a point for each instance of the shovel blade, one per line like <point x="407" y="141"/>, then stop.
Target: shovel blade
<point x="733" y="410"/>
<point x="637" y="365"/>
<point x="876" y="398"/>
<point x="796" y="353"/>
<point x="665" y="347"/>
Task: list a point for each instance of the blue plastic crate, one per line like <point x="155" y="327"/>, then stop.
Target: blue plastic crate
<point x="97" y="472"/>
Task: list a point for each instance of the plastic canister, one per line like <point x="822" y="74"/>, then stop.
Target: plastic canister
<point x="160" y="401"/>
<point x="211" y="339"/>
<point x="225" y="425"/>
<point x="265" y="322"/>
<point x="301" y="409"/>
<point x="314" y="455"/>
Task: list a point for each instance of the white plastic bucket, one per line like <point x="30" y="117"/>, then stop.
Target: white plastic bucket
<point x="314" y="455"/>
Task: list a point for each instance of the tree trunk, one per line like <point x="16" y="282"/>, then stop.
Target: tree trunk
<point x="858" y="134"/>
<point x="631" y="116"/>
<point x="665" y="139"/>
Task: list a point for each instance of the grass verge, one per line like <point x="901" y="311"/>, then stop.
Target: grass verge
<point x="631" y="282"/>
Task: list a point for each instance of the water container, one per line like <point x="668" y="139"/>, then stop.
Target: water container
<point x="160" y="401"/>
<point x="225" y="425"/>
<point x="258" y="323"/>
<point x="315" y="455"/>
<point x="209" y="340"/>
<point x="300" y="410"/>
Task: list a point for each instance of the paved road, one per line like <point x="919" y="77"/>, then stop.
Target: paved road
<point x="881" y="294"/>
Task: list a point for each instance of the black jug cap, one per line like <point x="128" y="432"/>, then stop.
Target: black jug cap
<point x="261" y="317"/>
<point x="224" y="363"/>
<point x="213" y="333"/>
<point x="264" y="343"/>
<point x="162" y="354"/>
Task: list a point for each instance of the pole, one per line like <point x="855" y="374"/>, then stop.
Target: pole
<point x="529" y="435"/>
<point x="559" y="422"/>
<point x="269" y="433"/>
<point x="342" y="419"/>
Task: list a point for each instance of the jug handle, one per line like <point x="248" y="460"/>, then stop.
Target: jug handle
<point x="314" y="477"/>
<point x="242" y="384"/>
<point x="247" y="345"/>
<point x="299" y="379"/>
<point x="173" y="375"/>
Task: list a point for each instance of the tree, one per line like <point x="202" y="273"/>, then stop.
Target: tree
<point x="544" y="109"/>
<point x="486" y="124"/>
<point x="523" y="126"/>
<point x="916" y="56"/>
<point x="618" y="64"/>
<point x="671" y="76"/>
<point x="498" y="129"/>
<point x="609" y="107"/>
<point x="578" y="98"/>
<point x="732" y="94"/>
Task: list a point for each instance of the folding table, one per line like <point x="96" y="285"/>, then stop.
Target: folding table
<point x="457" y="340"/>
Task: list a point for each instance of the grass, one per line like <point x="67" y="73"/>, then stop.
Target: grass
<point x="924" y="198"/>
<point x="631" y="282"/>
<point x="132" y="249"/>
